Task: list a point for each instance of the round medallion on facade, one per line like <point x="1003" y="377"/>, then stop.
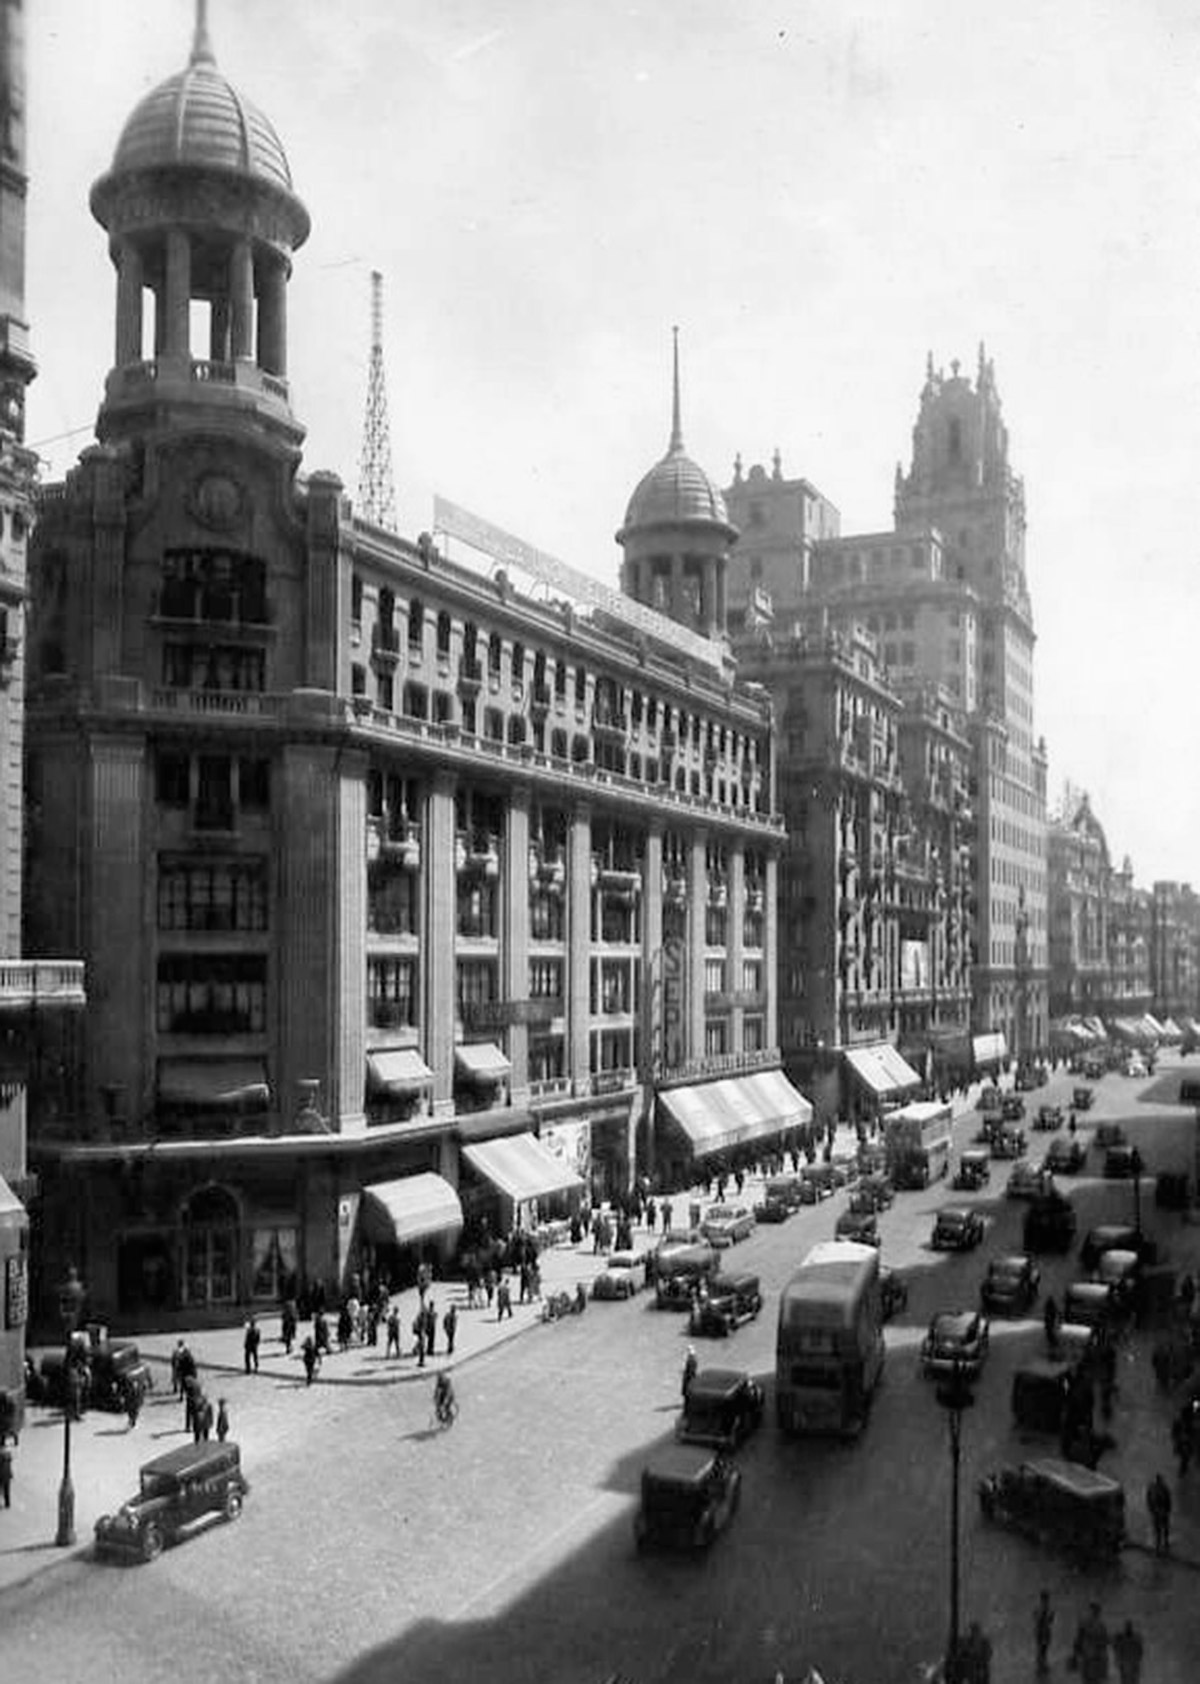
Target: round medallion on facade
<point x="217" y="501"/>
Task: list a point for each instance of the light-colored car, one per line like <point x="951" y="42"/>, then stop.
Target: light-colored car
<point x="1028" y="1181"/>
<point x="622" y="1276"/>
<point x="725" y="1225"/>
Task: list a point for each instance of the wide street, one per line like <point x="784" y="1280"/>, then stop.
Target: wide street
<point x="372" y="1548"/>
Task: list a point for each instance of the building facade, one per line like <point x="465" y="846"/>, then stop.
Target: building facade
<point x="1174" y="951"/>
<point x="403" y="886"/>
<point x="1079" y="887"/>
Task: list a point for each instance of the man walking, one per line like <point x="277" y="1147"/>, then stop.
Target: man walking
<point x="450" y="1328"/>
<point x="1127" y="1647"/>
<point x="287" y="1326"/>
<point x="250" y="1343"/>
<point x="393" y="1332"/>
<point x="1043" y="1631"/>
<point x="1158" y="1501"/>
<point x="689" y="1372"/>
<point x="6" y="1462"/>
<point x="503" y="1301"/>
<point x="1090" y="1653"/>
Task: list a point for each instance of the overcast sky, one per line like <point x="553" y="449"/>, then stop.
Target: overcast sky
<point x="818" y="194"/>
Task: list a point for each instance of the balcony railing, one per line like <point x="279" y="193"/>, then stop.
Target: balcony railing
<point x="41" y="982"/>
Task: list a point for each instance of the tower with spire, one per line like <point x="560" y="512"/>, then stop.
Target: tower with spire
<point x="376" y="487"/>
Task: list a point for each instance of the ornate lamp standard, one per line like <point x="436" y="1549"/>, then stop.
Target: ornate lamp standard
<point x="955" y="1395"/>
<point x="70" y="1303"/>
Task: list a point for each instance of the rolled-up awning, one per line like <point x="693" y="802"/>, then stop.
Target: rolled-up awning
<point x="482" y="1062"/>
<point x="398" y="1070"/>
<point x="989" y="1049"/>
<point x="520" y="1167"/>
<point x="218" y="1082"/>
<point x="716" y="1116"/>
<point x="412" y="1207"/>
<point x="881" y="1069"/>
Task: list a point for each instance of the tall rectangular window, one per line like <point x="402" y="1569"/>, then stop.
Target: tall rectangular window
<point x="392" y="993"/>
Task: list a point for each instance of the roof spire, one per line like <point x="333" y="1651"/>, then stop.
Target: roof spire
<point x="202" y="52"/>
<point x="676" y="445"/>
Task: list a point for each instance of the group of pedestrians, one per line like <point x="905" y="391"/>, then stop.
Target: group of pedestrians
<point x="199" y="1417"/>
<point x="1094" y="1643"/>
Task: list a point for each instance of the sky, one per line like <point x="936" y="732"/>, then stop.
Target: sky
<point x="817" y="192"/>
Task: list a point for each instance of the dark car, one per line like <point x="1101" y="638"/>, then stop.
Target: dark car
<point x="772" y="1209"/>
<point x="722" y="1408"/>
<point x="1012" y="1108"/>
<point x="110" y="1368"/>
<point x="893" y="1292"/>
<point x="1121" y="1163"/>
<point x="1058" y="1503"/>
<point x="1011" y="1284"/>
<point x="1028" y="1181"/>
<point x="1041" y="1393"/>
<point x="781" y="1196"/>
<point x="860" y="1225"/>
<point x="1048" y="1117"/>
<point x="1008" y="1141"/>
<point x="974" y="1169"/>
<point x="178" y="1492"/>
<point x="1065" y="1155"/>
<point x="817" y="1181"/>
<point x="878" y="1187"/>
<point x="723" y="1302"/>
<point x="678" y="1269"/>
<point x="1094" y="1304"/>
<point x="1108" y="1134"/>
<point x="1115" y="1236"/>
<point x="689" y="1493"/>
<point x="1083" y="1098"/>
<point x="956" y="1229"/>
<point x="956" y="1340"/>
<point x="1050" y="1224"/>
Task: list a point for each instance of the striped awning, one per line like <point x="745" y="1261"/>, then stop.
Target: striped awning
<point x="881" y="1069"/>
<point x="716" y="1116"/>
<point x="412" y="1207"/>
<point x="399" y="1070"/>
<point x="520" y="1167"/>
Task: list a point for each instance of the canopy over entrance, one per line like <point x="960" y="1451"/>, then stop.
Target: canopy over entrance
<point x="717" y="1116"/>
<point x="397" y="1070"/>
<point x="521" y="1168"/>
<point x="881" y="1069"/>
<point x="411" y="1208"/>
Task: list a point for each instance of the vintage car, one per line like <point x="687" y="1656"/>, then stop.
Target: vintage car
<point x="772" y="1209"/>
<point x="781" y="1196"/>
<point x="722" y="1408"/>
<point x="1048" y="1117"/>
<point x="1010" y="1286"/>
<point x="1008" y="1141"/>
<point x="875" y="1188"/>
<point x="989" y="1098"/>
<point x="110" y="1367"/>
<point x="1012" y="1108"/>
<point x="817" y="1181"/>
<point x="178" y="1492"/>
<point x="1050" y="1223"/>
<point x="678" y="1270"/>
<point x="725" y="1225"/>
<point x="957" y="1340"/>
<point x="957" y="1228"/>
<point x="1115" y="1236"/>
<point x="622" y="1276"/>
<point x="1122" y="1270"/>
<point x="1028" y="1181"/>
<point x="1135" y="1065"/>
<point x="689" y="1494"/>
<point x="1107" y="1135"/>
<point x="1122" y="1163"/>
<point x="893" y="1291"/>
<point x="1059" y="1503"/>
<point x="1041" y="1393"/>
<point x="1083" y="1098"/>
<point x="860" y="1225"/>
<point x="974" y="1169"/>
<point x="1091" y="1304"/>
<point x="1065" y="1155"/>
<point x="723" y="1302"/>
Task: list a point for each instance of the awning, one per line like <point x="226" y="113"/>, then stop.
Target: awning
<point x="1154" y="1026"/>
<point x="224" y="1082"/>
<point x="413" y="1207"/>
<point x="1097" y="1028"/>
<point x="482" y="1062"/>
<point x="397" y="1070"/>
<point x="716" y="1116"/>
<point x="1172" y="1030"/>
<point x="881" y="1069"/>
<point x="989" y="1049"/>
<point x="10" y="1204"/>
<point x="520" y="1167"/>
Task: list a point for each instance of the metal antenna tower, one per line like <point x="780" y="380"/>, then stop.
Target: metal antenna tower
<point x="376" y="487"/>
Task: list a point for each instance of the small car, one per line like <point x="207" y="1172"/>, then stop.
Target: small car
<point x="817" y="1182"/>
<point x="1122" y="1270"/>
<point x="1065" y="1155"/>
<point x="772" y="1209"/>
<point x="622" y="1276"/>
<point x="1010" y="1286"/>
<point x="1083" y="1098"/>
<point x="1012" y="1108"/>
<point x="1028" y="1077"/>
<point x="178" y="1492"/>
<point x="1121" y="1163"/>
<point x="723" y="1302"/>
<point x="722" y="1408"/>
<point x="725" y="1225"/>
<point x="1108" y="1134"/>
<point x="860" y="1225"/>
<point x="974" y="1169"/>
<point x="893" y="1291"/>
<point x="689" y="1493"/>
<point x="1008" y="1141"/>
<point x="1048" y="1117"/>
<point x="989" y="1098"/>
<point x="1028" y="1181"/>
<point x="678" y="1269"/>
<point x="1050" y="1223"/>
<point x="111" y="1366"/>
<point x="1058" y="1502"/>
<point x="877" y="1188"/>
<point x="1115" y="1236"/>
<point x="785" y="1187"/>
<point x="956" y="1340"/>
<point x="1091" y="1304"/>
<point x="956" y="1229"/>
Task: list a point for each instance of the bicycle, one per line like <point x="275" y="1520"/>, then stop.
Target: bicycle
<point x="445" y="1412"/>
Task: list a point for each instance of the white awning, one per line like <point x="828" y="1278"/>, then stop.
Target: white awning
<point x="881" y="1069"/>
<point x="10" y="1204"/>
<point x="481" y="1061"/>
<point x="520" y="1167"/>
<point x="716" y="1116"/>
<point x="397" y="1070"/>
<point x="224" y="1082"/>
<point x="413" y="1207"/>
<point x="989" y="1049"/>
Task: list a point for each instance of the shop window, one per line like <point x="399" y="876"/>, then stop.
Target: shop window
<point x="273" y="1263"/>
<point x="393" y="900"/>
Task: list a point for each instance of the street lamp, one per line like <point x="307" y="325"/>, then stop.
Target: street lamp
<point x="1135" y="1164"/>
<point x="70" y="1303"/>
<point x="955" y="1396"/>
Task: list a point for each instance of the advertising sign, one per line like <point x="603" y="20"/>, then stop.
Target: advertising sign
<point x="16" y="1291"/>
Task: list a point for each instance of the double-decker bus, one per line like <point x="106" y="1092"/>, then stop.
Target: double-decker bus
<point x="917" y="1139"/>
<point x="829" y="1349"/>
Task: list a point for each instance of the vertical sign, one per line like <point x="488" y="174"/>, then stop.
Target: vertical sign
<point x="347" y="1215"/>
<point x="16" y="1291"/>
<point x="674" y="1003"/>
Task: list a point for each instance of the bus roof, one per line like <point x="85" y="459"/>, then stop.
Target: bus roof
<point x="922" y="1111"/>
<point x="839" y="1251"/>
<point x="829" y="1283"/>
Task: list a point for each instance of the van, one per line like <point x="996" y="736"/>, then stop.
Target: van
<point x="178" y="1491"/>
<point x="1059" y="1503"/>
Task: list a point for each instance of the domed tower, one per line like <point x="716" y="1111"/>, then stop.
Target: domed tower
<point x="199" y="210"/>
<point x="677" y="536"/>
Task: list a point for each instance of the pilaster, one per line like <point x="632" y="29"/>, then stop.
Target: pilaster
<point x="438" y="1003"/>
<point x="350" y="1051"/>
<point x="514" y="956"/>
<point x="308" y="834"/>
<point x="697" y="908"/>
<point x="118" y="902"/>
<point x="579" y="943"/>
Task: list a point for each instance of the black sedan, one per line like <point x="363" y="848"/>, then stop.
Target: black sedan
<point x="860" y="1225"/>
<point x="957" y="1339"/>
<point x="957" y="1228"/>
<point x="1010" y="1286"/>
<point x="1065" y="1155"/>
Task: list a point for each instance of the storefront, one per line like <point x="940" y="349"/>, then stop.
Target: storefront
<point x="14" y="1259"/>
<point x="878" y="1078"/>
<point x="403" y="1223"/>
<point x="990" y="1053"/>
<point x="727" y="1118"/>
<point x="516" y="1182"/>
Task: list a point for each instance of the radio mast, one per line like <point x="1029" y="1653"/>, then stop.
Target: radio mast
<point x="376" y="487"/>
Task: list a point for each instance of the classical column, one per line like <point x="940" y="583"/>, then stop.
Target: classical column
<point x="771" y="949"/>
<point x="220" y="328"/>
<point x="129" y="304"/>
<point x="514" y="955"/>
<point x="579" y="946"/>
<point x="272" y="319"/>
<point x="439" y="1006"/>
<point x="346" y="1101"/>
<point x="734" y="942"/>
<point x="178" y="294"/>
<point x="242" y="298"/>
<point x="697" y="911"/>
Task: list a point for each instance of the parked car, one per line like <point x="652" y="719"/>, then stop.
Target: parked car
<point x="723" y="1302"/>
<point x="1108" y="1134"/>
<point x="893" y="1289"/>
<point x="1065" y="1155"/>
<point x="1048" y="1117"/>
<point x="1012" y="1108"/>
<point x="1122" y="1270"/>
<point x="688" y="1494"/>
<point x="957" y="1228"/>
<point x="622" y="1276"/>
<point x="956" y="1340"/>
<point x="817" y="1181"/>
<point x="1083" y="1098"/>
<point x="177" y="1493"/>
<point x="1050" y="1223"/>
<point x="722" y="1408"/>
<point x="989" y="1098"/>
<point x="1115" y="1236"/>
<point x="1041" y="1392"/>
<point x="860" y="1225"/>
<point x="725" y="1225"/>
<point x="1058" y="1503"/>
<point x="1122" y="1163"/>
<point x="1008" y="1142"/>
<point x="1011" y="1284"/>
<point x="1135" y="1065"/>
<point x="785" y="1188"/>
<point x="771" y="1208"/>
<point x="1028" y="1181"/>
<point x="110" y="1367"/>
<point x="974" y="1169"/>
<point x="1028" y="1077"/>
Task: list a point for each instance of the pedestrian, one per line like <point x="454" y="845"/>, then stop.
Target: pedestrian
<point x="424" y="1277"/>
<point x="250" y="1343"/>
<point x="393" y="1332"/>
<point x="6" y="1462"/>
<point x="133" y="1400"/>
<point x="1127" y="1647"/>
<point x="1158" y="1501"/>
<point x="177" y="1368"/>
<point x="523" y="1277"/>
<point x="191" y="1396"/>
<point x="431" y="1327"/>
<point x="535" y="1281"/>
<point x="321" y="1333"/>
<point x="1050" y="1320"/>
<point x="287" y="1326"/>
<point x="222" y="1420"/>
<point x="690" y="1366"/>
<point x="1072" y="1125"/>
<point x="202" y="1418"/>
<point x="489" y="1285"/>
<point x="418" y="1328"/>
<point x="651" y="1213"/>
<point x="450" y="1328"/>
<point x="373" y="1324"/>
<point x="1043" y="1631"/>
<point x="1090" y="1654"/>
<point x="503" y="1301"/>
<point x="666" y="1216"/>
<point x="308" y="1352"/>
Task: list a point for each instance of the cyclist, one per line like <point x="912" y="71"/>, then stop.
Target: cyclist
<point x="445" y="1405"/>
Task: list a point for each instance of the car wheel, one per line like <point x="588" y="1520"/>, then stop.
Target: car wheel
<point x="233" y="1504"/>
<point x="152" y="1543"/>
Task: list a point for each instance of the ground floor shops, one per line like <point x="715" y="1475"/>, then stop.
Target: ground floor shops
<point x="731" y="1120"/>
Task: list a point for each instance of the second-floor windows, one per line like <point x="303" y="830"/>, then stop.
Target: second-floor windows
<point x="212" y="896"/>
<point x="213" y="585"/>
<point x="215" y="788"/>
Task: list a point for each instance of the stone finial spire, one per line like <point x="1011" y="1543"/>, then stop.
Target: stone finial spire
<point x="675" y="447"/>
<point x="202" y="52"/>
<point x="777" y="464"/>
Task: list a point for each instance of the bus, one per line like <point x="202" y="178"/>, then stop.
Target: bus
<point x="829" y="1349"/>
<point x="917" y="1138"/>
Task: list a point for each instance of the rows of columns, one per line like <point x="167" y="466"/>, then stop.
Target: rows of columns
<point x="232" y="334"/>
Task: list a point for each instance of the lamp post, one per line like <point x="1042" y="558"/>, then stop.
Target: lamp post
<point x="70" y="1303"/>
<point x="1135" y="1164"/>
<point x="955" y="1396"/>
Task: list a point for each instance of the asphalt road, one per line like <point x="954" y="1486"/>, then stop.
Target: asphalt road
<point x="374" y="1548"/>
